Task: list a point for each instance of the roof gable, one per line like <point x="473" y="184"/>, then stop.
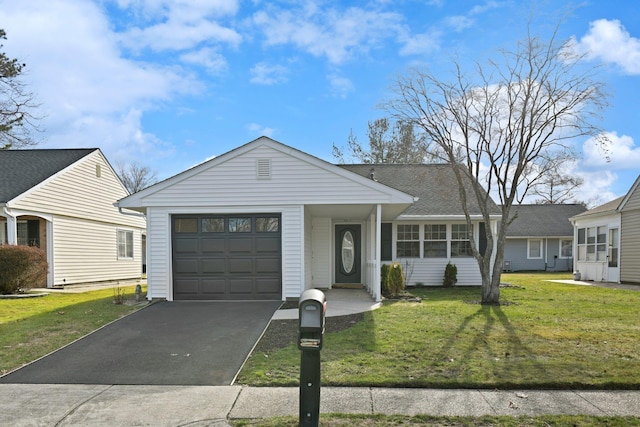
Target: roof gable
<point x="21" y="170"/>
<point x="549" y="220"/>
<point x="434" y="185"/>
<point x="298" y="177"/>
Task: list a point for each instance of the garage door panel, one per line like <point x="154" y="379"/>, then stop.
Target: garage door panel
<point x="267" y="265"/>
<point x="214" y="287"/>
<point x="212" y="265"/>
<point x="186" y="245"/>
<point x="187" y="286"/>
<point x="268" y="245"/>
<point x="213" y="246"/>
<point x="186" y="266"/>
<point x="240" y="265"/>
<point x="240" y="246"/>
<point x="211" y="262"/>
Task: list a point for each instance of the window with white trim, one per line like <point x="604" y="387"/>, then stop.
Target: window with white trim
<point x="566" y="248"/>
<point x="435" y="241"/>
<point x="460" y="242"/>
<point x="125" y="244"/>
<point x="534" y="249"/>
<point x="408" y="241"/>
<point x="582" y="244"/>
<point x="592" y="244"/>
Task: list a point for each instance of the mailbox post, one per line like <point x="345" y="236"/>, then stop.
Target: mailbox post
<point x="311" y="313"/>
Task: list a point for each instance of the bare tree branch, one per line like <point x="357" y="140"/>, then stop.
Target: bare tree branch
<point x="136" y="177"/>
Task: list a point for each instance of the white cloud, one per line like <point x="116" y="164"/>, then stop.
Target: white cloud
<point x="419" y="44"/>
<point x="338" y="35"/>
<point x="609" y="41"/>
<point x="89" y="93"/>
<point x="258" y="129"/>
<point x="340" y="86"/>
<point x="614" y="152"/>
<point x="266" y="74"/>
<point x="207" y="57"/>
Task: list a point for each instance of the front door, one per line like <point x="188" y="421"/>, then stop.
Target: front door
<point x="613" y="255"/>
<point x="347" y="265"/>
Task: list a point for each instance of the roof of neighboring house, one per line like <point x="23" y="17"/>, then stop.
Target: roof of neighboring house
<point x="435" y="186"/>
<point x="21" y="170"/>
<point x="547" y="220"/>
<point x="609" y="207"/>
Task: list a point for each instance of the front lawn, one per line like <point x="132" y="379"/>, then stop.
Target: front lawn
<point x="544" y="335"/>
<point x="33" y="327"/>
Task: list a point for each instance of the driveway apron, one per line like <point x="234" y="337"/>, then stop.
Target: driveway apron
<point x="167" y="343"/>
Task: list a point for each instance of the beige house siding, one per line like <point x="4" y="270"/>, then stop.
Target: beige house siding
<point x="87" y="251"/>
<point x="78" y="204"/>
<point x="630" y="239"/>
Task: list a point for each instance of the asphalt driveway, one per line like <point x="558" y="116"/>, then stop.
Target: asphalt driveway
<point x="167" y="343"/>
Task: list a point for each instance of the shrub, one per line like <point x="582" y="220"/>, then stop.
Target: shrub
<point x="450" y="275"/>
<point x="392" y="279"/>
<point x="23" y="268"/>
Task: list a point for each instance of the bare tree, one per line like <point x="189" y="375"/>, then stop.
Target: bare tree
<point x="16" y="103"/>
<point x="556" y="188"/>
<point x="136" y="177"/>
<point x="509" y="124"/>
<point x="397" y="143"/>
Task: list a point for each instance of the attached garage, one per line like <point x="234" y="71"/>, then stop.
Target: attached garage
<point x="227" y="257"/>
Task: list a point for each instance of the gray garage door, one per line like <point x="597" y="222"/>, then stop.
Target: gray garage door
<point x="227" y="257"/>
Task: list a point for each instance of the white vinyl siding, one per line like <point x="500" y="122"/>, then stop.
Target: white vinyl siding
<point x="86" y="251"/>
<point x="321" y="252"/>
<point x="293" y="181"/>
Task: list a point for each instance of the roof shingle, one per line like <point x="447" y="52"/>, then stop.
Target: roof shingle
<point x="21" y="170"/>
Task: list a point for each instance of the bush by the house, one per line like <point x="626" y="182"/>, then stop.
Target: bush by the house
<point x="392" y="279"/>
<point x="450" y="275"/>
<point x="23" y="268"/>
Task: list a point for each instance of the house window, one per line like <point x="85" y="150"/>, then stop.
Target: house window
<point x="435" y="241"/>
<point x="408" y="241"/>
<point x="566" y="248"/>
<point x="534" y="249"/>
<point x="582" y="244"/>
<point x="460" y="243"/>
<point x="591" y="244"/>
<point x="267" y="224"/>
<point x="23" y="233"/>
<point x="125" y="244"/>
<point x="239" y="225"/>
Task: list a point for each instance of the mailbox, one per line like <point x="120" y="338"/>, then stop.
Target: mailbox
<point x="312" y="307"/>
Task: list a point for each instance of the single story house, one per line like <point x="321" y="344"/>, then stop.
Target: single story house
<point x="267" y="221"/>
<point x="540" y="238"/>
<point x="607" y="240"/>
<point x="62" y="200"/>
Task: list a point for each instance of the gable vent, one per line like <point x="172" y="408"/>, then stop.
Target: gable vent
<point x="263" y="168"/>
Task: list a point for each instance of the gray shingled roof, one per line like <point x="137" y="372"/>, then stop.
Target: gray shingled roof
<point x="543" y="220"/>
<point x="434" y="184"/>
<point x="21" y="170"/>
<point x="607" y="207"/>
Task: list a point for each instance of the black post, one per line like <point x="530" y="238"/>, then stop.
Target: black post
<point x="309" y="388"/>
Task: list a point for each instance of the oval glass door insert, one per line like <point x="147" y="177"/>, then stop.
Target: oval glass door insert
<point x="348" y="252"/>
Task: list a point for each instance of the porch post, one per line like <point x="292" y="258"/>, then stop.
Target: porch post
<point x="376" y="273"/>
<point x="12" y="228"/>
<point x="51" y="274"/>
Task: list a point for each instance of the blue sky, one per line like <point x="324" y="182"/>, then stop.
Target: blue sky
<point x="171" y="83"/>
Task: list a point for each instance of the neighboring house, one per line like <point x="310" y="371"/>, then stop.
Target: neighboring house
<point x="608" y="240"/>
<point x="62" y="200"/>
<point x="267" y="221"/>
<point x="541" y="237"/>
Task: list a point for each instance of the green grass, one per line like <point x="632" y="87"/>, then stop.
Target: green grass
<point x="339" y="420"/>
<point x="545" y="335"/>
<point x="33" y="327"/>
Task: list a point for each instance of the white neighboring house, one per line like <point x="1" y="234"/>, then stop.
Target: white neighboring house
<point x="62" y="200"/>
<point x="267" y="221"/>
<point x="607" y="240"/>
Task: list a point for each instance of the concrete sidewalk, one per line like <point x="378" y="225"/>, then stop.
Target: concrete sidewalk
<point x="104" y="405"/>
